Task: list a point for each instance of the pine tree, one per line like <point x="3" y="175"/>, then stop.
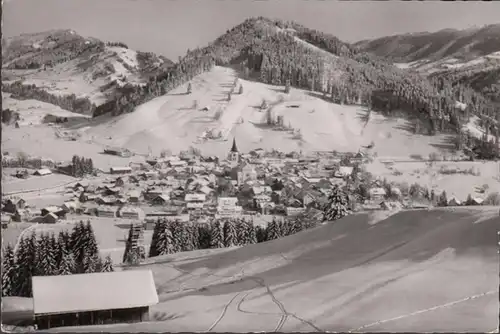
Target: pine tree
<point x="90" y="263"/>
<point x="91" y="246"/>
<point x="260" y="233"/>
<point x="216" y="235"/>
<point x="127" y="254"/>
<point x="67" y="265"/>
<point x="240" y="91"/>
<point x="251" y="236"/>
<point x="46" y="262"/>
<point x="443" y="199"/>
<point x="153" y="248"/>
<point x="272" y="232"/>
<point x="25" y="259"/>
<point x="107" y="265"/>
<point x="241" y="232"/>
<point x="9" y="271"/>
<point x="204" y="238"/>
<point x="298" y="225"/>
<point x="469" y="200"/>
<point x="338" y="205"/>
<point x="189" y="89"/>
<point x="161" y="243"/>
<point x="178" y="240"/>
<point x="77" y="245"/>
<point x="230" y="236"/>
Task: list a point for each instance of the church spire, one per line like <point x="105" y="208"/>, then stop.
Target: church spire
<point x="234" y="148"/>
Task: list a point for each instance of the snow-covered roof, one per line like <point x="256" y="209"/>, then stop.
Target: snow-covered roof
<point x="96" y="291"/>
<point x="195" y="197"/>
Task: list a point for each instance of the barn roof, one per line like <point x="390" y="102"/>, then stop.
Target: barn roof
<point x="96" y="291"/>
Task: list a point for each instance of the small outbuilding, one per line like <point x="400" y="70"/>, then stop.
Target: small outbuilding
<point x="42" y="172"/>
<point x="120" y="170"/>
<point x="93" y="299"/>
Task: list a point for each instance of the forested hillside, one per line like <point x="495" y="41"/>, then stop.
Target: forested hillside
<point x="273" y="50"/>
<point x="74" y="72"/>
<point x="462" y="44"/>
<point x="289" y="54"/>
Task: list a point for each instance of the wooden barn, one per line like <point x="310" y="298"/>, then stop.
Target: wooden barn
<point x="93" y="299"/>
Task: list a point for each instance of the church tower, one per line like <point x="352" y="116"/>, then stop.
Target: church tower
<point x="234" y="155"/>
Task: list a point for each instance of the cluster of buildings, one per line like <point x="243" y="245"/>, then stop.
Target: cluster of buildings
<point x="189" y="187"/>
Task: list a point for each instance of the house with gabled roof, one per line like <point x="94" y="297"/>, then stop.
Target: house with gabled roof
<point x="99" y="298"/>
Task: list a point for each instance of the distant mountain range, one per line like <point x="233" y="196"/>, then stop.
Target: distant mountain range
<point x="464" y="45"/>
<point x="116" y="79"/>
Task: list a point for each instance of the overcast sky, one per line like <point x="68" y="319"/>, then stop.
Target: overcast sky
<point x="170" y="27"/>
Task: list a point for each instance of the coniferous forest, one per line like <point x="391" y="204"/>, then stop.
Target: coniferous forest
<point x="171" y="236"/>
<point x="45" y="255"/>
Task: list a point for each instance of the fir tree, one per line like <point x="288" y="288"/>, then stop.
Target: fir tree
<point x="189" y="89"/>
<point x="469" y="200"/>
<point x="298" y="225"/>
<point x="216" y="235"/>
<point x="127" y="254"/>
<point x="90" y="264"/>
<point x="46" y="262"/>
<point x="230" y="236"/>
<point x="240" y="91"/>
<point x="25" y="258"/>
<point x="175" y="228"/>
<point x="62" y="248"/>
<point x="9" y="271"/>
<point x="91" y="247"/>
<point x="241" y="232"/>
<point x="153" y="248"/>
<point x="204" y="236"/>
<point x="272" y="232"/>
<point x="260" y="233"/>
<point x="338" y="205"/>
<point x="77" y="245"/>
<point x="107" y="265"/>
<point x="67" y="265"/>
<point x="443" y="199"/>
<point x="251" y="236"/>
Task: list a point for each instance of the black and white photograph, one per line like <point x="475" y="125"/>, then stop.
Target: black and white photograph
<point x="250" y="166"/>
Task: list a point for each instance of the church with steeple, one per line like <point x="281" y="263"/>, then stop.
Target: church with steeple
<point x="234" y="155"/>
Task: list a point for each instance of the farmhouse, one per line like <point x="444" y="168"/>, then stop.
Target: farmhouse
<point x="131" y="213"/>
<point x="377" y="193"/>
<point x="59" y="212"/>
<point x="101" y="298"/>
<point x="134" y="196"/>
<point x="121" y="152"/>
<point x="120" y="170"/>
<point x="50" y="218"/>
<point x="106" y="211"/>
<point x="42" y="172"/>
<point x="161" y="199"/>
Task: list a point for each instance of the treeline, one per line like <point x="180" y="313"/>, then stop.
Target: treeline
<point x="71" y="102"/>
<point x="47" y="255"/>
<point x="174" y="236"/>
<point x="118" y="44"/>
<point x="67" y="47"/>
<point x="81" y="166"/>
<point x="9" y="116"/>
<point x="24" y="161"/>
